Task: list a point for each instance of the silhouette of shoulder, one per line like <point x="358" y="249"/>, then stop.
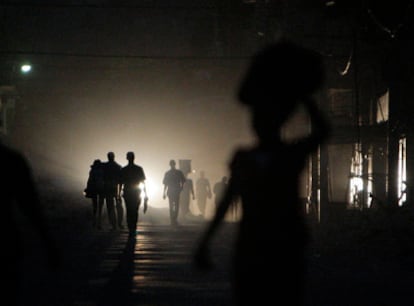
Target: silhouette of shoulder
<point x="132" y="174"/>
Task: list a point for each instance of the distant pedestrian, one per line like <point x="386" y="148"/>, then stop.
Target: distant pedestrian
<point x="187" y="195"/>
<point x="133" y="185"/>
<point x="22" y="212"/>
<point x="270" y="247"/>
<point x="112" y="171"/>
<point x="95" y="191"/>
<point x="203" y="192"/>
<point x="218" y="190"/>
<point x="173" y="181"/>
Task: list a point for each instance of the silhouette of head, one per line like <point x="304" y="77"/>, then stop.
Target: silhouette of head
<point x="130" y="156"/>
<point x="172" y="163"/>
<point x="281" y="70"/>
<point x="96" y="162"/>
<point x="278" y="78"/>
<point x="111" y="156"/>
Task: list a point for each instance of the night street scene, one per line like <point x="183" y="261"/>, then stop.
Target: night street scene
<point x="207" y="152"/>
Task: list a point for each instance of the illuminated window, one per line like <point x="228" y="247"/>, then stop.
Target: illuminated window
<point x="356" y="183"/>
<point x="382" y="107"/>
<point x="402" y="170"/>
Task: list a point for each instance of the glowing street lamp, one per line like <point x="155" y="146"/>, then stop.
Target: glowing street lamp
<point x="25" y="68"/>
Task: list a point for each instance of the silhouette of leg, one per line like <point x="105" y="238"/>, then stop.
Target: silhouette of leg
<point x="202" y="206"/>
<point x="94" y="210"/>
<point x="110" y="206"/>
<point x="131" y="215"/>
<point x="120" y="212"/>
<point x="175" y="212"/>
<point x="174" y="202"/>
<point x="171" y="206"/>
<point x="99" y="213"/>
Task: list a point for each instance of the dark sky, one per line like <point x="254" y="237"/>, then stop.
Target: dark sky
<point x="111" y="77"/>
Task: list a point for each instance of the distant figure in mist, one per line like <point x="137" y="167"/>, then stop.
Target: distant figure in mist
<point x="22" y="213"/>
<point x="112" y="189"/>
<point x="133" y="184"/>
<point x="203" y="192"/>
<point x="270" y="246"/>
<point x="218" y="189"/>
<point x="187" y="194"/>
<point x="95" y="191"/>
<point x="173" y="182"/>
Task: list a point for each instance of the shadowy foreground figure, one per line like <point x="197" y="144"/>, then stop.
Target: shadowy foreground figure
<point x="22" y="212"/>
<point x="269" y="255"/>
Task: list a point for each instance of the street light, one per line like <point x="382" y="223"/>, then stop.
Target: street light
<point x="25" y="68"/>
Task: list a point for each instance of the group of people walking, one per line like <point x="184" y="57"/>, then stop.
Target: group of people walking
<point x="109" y="182"/>
<point x="178" y="188"/>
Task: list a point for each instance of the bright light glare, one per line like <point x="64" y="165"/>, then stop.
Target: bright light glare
<point x="26" y="68"/>
<point x="357" y="186"/>
<point x="154" y="191"/>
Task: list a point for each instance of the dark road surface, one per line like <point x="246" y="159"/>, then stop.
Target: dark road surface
<point x="104" y="268"/>
<point x="108" y="268"/>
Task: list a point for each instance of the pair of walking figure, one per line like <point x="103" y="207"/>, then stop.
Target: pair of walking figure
<point x="107" y="181"/>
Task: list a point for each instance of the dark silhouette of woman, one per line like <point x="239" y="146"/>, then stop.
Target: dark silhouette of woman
<point x="95" y="191"/>
<point x="269" y="258"/>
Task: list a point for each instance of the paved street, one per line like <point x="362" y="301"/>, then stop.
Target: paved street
<point x="104" y="268"/>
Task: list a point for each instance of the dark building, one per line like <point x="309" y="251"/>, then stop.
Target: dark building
<point x="368" y="49"/>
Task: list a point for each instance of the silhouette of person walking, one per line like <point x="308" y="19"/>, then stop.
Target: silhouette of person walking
<point x="218" y="190"/>
<point x="203" y="192"/>
<point x="132" y="184"/>
<point x="173" y="181"/>
<point x="112" y="171"/>
<point x="20" y="198"/>
<point x="187" y="194"/>
<point x="95" y="191"/>
<point x="272" y="236"/>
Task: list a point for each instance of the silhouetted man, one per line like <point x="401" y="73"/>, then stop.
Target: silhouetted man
<point x="174" y="180"/>
<point x="132" y="184"/>
<point x="112" y="171"/>
<point x="272" y="236"/>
